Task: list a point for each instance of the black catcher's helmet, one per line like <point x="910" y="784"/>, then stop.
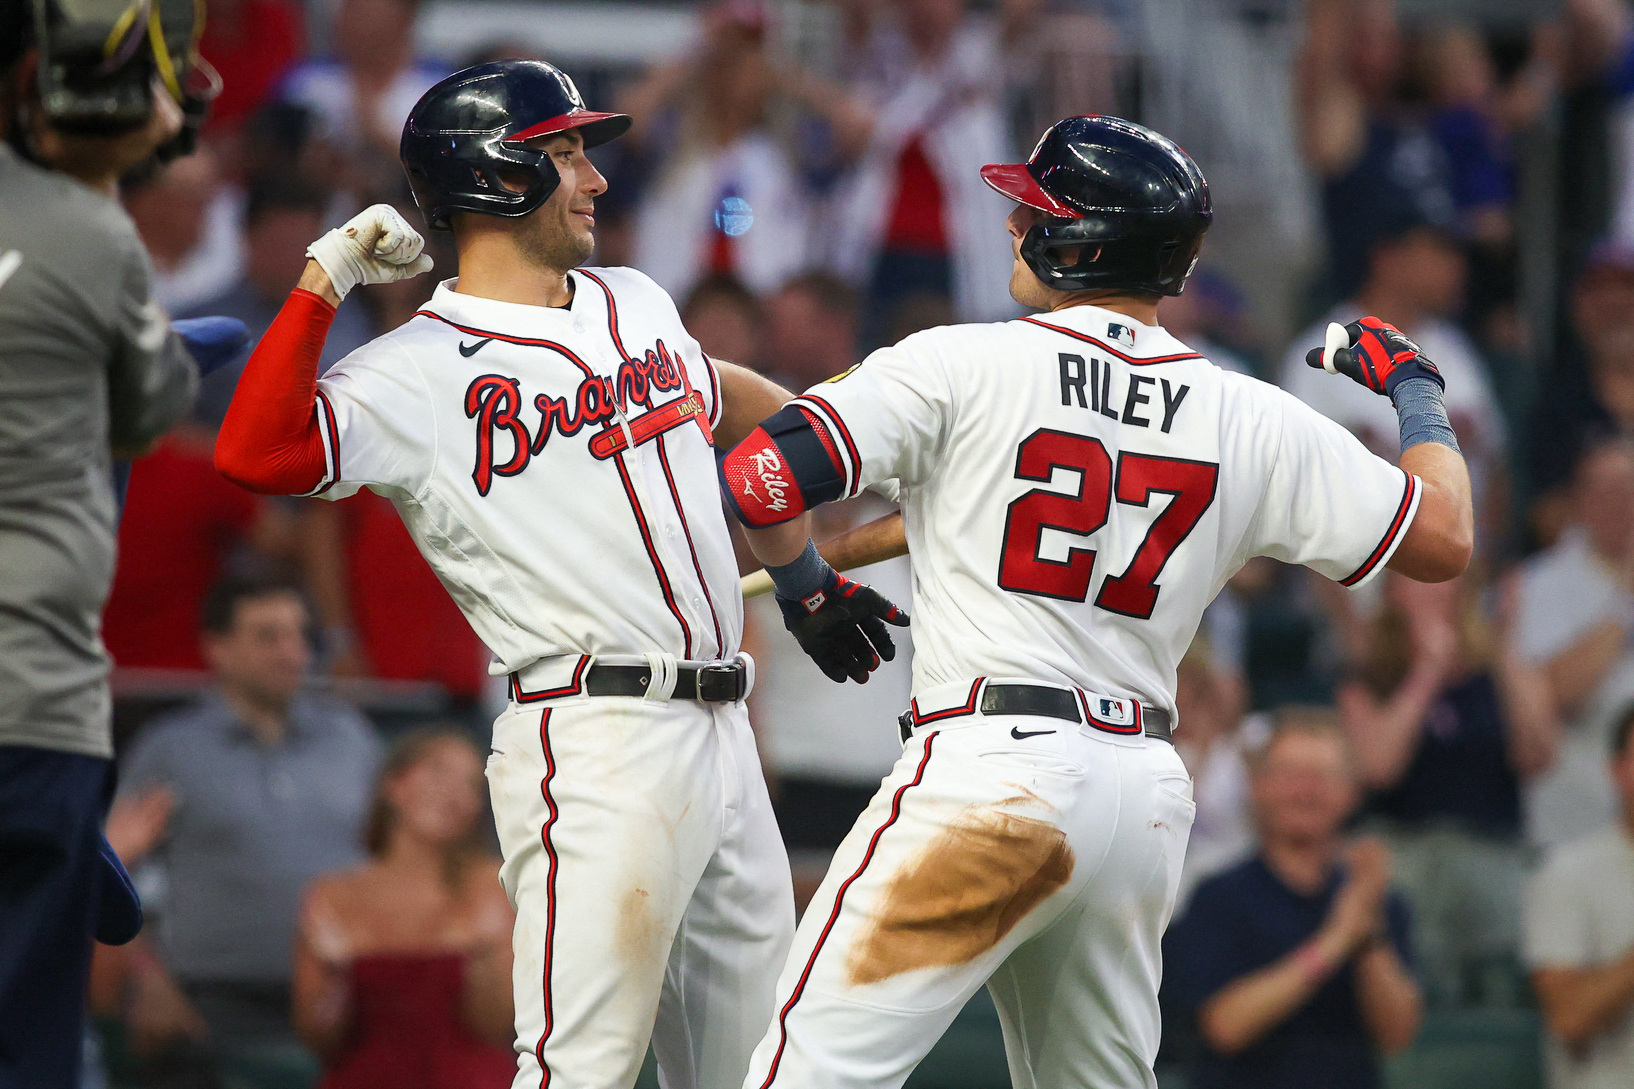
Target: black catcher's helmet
<point x="1131" y="201"/>
<point x="472" y="125"/>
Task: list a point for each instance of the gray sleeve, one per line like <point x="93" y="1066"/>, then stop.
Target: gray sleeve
<point x="151" y="379"/>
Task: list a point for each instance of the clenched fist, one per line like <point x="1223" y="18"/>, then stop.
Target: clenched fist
<point x="376" y="246"/>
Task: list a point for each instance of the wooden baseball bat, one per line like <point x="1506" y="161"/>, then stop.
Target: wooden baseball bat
<point x="881" y="539"/>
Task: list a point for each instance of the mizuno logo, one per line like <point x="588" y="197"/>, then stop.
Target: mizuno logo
<point x="1021" y="734"/>
<point x="469" y="350"/>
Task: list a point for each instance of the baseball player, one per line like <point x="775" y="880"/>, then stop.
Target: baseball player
<point x="545" y="432"/>
<point x="1075" y="487"/>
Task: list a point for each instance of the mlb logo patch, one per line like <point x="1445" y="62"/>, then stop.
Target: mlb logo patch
<point x="1115" y="716"/>
<point x="1118" y="711"/>
<point x="1120" y="333"/>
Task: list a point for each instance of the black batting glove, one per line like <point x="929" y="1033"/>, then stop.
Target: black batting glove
<point x="1378" y="355"/>
<point x="841" y="627"/>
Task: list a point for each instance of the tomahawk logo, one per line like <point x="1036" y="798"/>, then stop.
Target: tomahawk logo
<point x="769" y="466"/>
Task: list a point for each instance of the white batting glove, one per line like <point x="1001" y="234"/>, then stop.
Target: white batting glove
<point x="376" y="246"/>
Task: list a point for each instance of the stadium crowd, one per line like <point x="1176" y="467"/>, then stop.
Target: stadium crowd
<point x="1415" y="804"/>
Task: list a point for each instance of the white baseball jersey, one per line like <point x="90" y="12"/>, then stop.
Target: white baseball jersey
<point x="503" y="434"/>
<point x="555" y="467"/>
<point x="1077" y="487"/>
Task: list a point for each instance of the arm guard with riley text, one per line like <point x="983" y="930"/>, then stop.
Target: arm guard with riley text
<point x="786" y="466"/>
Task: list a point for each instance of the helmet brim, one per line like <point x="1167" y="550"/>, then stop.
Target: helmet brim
<point x="1015" y="181"/>
<point x="596" y="128"/>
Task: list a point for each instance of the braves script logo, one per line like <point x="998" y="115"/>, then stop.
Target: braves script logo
<point x="495" y="402"/>
<point x="770" y="469"/>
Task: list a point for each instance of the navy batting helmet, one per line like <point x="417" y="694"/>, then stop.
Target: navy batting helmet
<point x="471" y="127"/>
<point x="1131" y="203"/>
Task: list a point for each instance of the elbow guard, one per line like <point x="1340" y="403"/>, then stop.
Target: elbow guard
<point x="787" y="465"/>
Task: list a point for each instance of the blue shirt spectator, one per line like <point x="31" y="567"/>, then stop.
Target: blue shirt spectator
<point x="1291" y="966"/>
<point x="268" y="788"/>
<point x="1242" y="920"/>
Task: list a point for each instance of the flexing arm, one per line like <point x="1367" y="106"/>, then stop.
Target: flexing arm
<point x="1438" y="544"/>
<point x="271" y="441"/>
<point x="786" y="465"/>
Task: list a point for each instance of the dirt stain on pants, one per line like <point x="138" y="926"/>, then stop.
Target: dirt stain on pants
<point x="964" y="892"/>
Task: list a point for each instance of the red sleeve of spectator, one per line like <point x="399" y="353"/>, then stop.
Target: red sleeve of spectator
<point x="269" y="442"/>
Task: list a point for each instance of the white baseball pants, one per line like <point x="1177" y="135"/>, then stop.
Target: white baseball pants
<point x="1034" y="855"/>
<point x="649" y="882"/>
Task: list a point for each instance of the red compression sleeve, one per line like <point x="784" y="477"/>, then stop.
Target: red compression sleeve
<point x="270" y="441"/>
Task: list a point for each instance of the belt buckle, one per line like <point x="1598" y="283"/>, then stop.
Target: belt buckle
<point x="733" y="673"/>
<point x="904" y="725"/>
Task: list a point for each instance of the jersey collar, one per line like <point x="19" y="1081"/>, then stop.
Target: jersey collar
<point x="518" y="318"/>
<point x="1115" y="333"/>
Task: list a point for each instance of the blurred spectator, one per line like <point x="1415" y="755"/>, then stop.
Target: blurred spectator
<point x="252" y="43"/>
<point x="1216" y="79"/>
<point x="1216" y="744"/>
<point x="1446" y="720"/>
<point x="1413" y="278"/>
<point x="1209" y="308"/>
<point x="724" y="197"/>
<point x="1292" y="963"/>
<point x="726" y="319"/>
<point x="403" y="964"/>
<point x="282" y="213"/>
<point x="1580" y="943"/>
<point x="913" y="215"/>
<point x="1473" y="115"/>
<point x="385" y="613"/>
<point x="189" y="223"/>
<point x="182" y="526"/>
<point x="1603" y="47"/>
<point x="270" y="787"/>
<point x="1575" y="617"/>
<point x="1592" y="394"/>
<point x="1372" y="155"/>
<point x="363" y="95"/>
<point x="811" y="330"/>
<point x="281" y="140"/>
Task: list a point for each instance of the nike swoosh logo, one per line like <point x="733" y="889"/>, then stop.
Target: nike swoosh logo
<point x="1019" y="734"/>
<point x="469" y="350"/>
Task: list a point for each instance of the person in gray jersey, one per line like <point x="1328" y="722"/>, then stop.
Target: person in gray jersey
<point x="90" y="370"/>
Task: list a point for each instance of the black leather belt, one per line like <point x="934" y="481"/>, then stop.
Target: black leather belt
<point x="1062" y="703"/>
<point x="714" y="682"/>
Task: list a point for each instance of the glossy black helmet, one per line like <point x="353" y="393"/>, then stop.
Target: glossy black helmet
<point x="471" y="126"/>
<point x="1129" y="201"/>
